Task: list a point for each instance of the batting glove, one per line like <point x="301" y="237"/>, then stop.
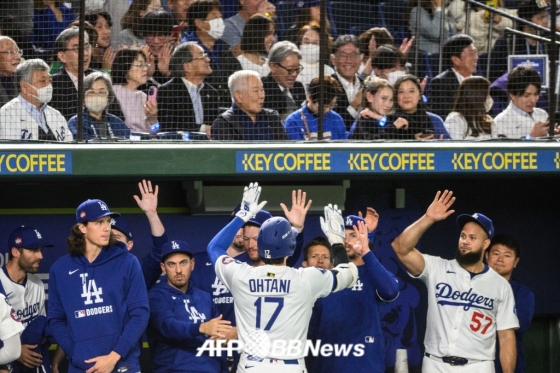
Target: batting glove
<point x="250" y="203"/>
<point x="333" y="224"/>
<point x="346" y="275"/>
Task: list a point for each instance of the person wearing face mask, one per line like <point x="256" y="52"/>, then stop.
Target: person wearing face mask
<point x="207" y="27"/>
<point x="468" y="120"/>
<point x="28" y="116"/>
<point x="388" y="63"/>
<point x="308" y="42"/>
<point x="97" y="122"/>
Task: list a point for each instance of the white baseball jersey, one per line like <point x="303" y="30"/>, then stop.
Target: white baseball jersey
<point x="463" y="313"/>
<point x="27" y="299"/>
<point x="275" y="299"/>
<point x="9" y="325"/>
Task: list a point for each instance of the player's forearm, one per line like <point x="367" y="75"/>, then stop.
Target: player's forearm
<point x="409" y="238"/>
<point x="156" y="225"/>
<point x="508" y="350"/>
<point x="11" y="349"/>
<point x="386" y="283"/>
<point x="220" y="243"/>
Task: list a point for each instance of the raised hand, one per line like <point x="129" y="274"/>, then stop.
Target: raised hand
<point x="296" y="216"/>
<point x="250" y="202"/>
<point x="361" y="246"/>
<point x="439" y="208"/>
<point x="372" y="219"/>
<point x="333" y="224"/>
<point x="148" y="200"/>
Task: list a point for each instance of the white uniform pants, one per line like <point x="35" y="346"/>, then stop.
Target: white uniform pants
<point x="434" y="365"/>
<point x="270" y="366"/>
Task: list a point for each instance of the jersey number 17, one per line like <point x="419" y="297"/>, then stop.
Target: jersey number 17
<point x="261" y="303"/>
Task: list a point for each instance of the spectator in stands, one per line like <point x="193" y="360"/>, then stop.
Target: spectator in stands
<point x="302" y="124"/>
<point x="98" y="122"/>
<point x="130" y="71"/>
<point x="10" y="58"/>
<point x="247" y="119"/>
<point x="346" y="60"/>
<point x="479" y="27"/>
<point x="131" y="23"/>
<point x="157" y="28"/>
<point x="281" y="89"/>
<point x="28" y="116"/>
<point x="187" y="102"/>
<point x="309" y="11"/>
<point x="468" y="120"/>
<point x="369" y="41"/>
<point x="522" y="118"/>
<point x="207" y="26"/>
<point x="388" y="62"/>
<point x="180" y="9"/>
<point x="378" y="103"/>
<point x="234" y="25"/>
<point x="254" y="48"/>
<point x="308" y="41"/>
<point x="65" y="80"/>
<point x="504" y="46"/>
<point x="461" y="53"/>
<point x="117" y="9"/>
<point x="50" y="17"/>
<point x="428" y="35"/>
<point x="102" y="54"/>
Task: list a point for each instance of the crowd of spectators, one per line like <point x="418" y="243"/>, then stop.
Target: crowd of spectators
<point x="185" y="55"/>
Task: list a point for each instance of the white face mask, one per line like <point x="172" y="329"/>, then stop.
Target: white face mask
<point x="394" y="76"/>
<point x="216" y="28"/>
<point x="96" y="104"/>
<point x="44" y="94"/>
<point x="488" y="104"/>
<point x="309" y="53"/>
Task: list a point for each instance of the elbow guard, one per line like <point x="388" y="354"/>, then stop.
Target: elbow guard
<point x="346" y="276"/>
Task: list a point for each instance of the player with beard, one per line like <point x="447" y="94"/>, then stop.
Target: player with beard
<point x="468" y="302"/>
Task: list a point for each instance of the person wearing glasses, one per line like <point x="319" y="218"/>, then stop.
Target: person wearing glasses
<point x="302" y="124"/>
<point x="28" y="116"/>
<point x="130" y="71"/>
<point x="187" y="102"/>
<point x="65" y="80"/>
<point x="10" y="58"/>
<point x="347" y="59"/>
<point x="282" y="91"/>
<point x="97" y="122"/>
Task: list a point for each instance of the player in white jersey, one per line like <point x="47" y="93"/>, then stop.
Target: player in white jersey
<point x="468" y="303"/>
<point x="25" y="292"/>
<point x="10" y="327"/>
<point x="273" y="302"/>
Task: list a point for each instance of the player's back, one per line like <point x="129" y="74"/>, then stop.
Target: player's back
<point x="275" y="299"/>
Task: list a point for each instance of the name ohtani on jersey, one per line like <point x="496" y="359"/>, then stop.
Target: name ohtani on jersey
<point x="92" y="295"/>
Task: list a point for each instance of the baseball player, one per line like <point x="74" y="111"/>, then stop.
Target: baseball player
<point x="98" y="303"/>
<point x="10" y="327"/>
<point x="273" y="302"/>
<point x="182" y="317"/>
<point x="25" y="292"/>
<point x="468" y="302"/>
<point x="330" y="322"/>
<point x="503" y="256"/>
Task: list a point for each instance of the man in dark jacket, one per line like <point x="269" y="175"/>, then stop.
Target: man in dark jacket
<point x="247" y="119"/>
<point x="186" y="102"/>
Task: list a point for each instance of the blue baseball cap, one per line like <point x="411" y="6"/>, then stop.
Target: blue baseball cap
<point x="352" y="220"/>
<point x="176" y="246"/>
<point x="93" y="209"/>
<point x="259" y="219"/>
<point x="121" y="225"/>
<point x="479" y="219"/>
<point x="27" y="238"/>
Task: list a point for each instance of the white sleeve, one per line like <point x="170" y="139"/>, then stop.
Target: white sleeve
<point x="9" y="325"/>
<point x="456" y="126"/>
<point x="11" y="350"/>
<point x="225" y="268"/>
<point x="506" y="317"/>
<point x="430" y="262"/>
<point x="320" y="281"/>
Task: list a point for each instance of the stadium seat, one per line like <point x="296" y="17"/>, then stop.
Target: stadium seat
<point x="347" y="17"/>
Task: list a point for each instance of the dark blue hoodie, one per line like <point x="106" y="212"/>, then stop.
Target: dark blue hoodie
<point x="99" y="307"/>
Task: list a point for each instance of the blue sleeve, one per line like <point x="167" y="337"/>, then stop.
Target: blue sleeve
<point x="293" y="128"/>
<point x="220" y="243"/>
<point x="73" y="126"/>
<point x="298" y="252"/>
<point x="164" y="320"/>
<point x="386" y="284"/>
<point x="137" y="302"/>
<point x="341" y="133"/>
<point x="525" y="305"/>
<point x="56" y="317"/>
<point x="439" y="127"/>
<point x="371" y="236"/>
<point x="151" y="263"/>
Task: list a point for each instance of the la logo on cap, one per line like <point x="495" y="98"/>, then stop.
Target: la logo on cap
<point x="475" y="215"/>
<point x="113" y="222"/>
<point x="102" y="206"/>
<point x="38" y="234"/>
<point x="348" y="221"/>
<point x="174" y="245"/>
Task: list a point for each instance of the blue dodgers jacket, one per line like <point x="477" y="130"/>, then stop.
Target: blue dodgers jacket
<point x="173" y="331"/>
<point x="98" y="307"/>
